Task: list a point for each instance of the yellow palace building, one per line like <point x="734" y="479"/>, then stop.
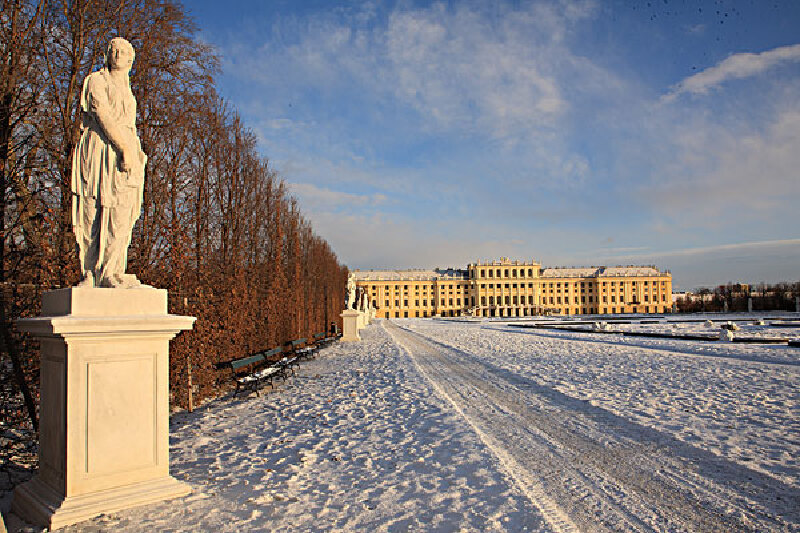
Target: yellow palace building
<point x="508" y="288"/>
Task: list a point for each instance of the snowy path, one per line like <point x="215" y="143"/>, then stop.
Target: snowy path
<point x="588" y="469"/>
<point x="358" y="441"/>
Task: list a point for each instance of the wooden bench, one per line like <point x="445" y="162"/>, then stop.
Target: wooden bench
<point x="301" y="349"/>
<point x="320" y="340"/>
<point x="251" y="372"/>
<point x="323" y="339"/>
<point x="284" y="363"/>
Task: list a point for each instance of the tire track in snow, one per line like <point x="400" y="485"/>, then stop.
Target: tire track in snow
<point x="581" y="475"/>
<point x="552" y="514"/>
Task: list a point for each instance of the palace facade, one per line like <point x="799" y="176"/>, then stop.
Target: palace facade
<point x="508" y="288"/>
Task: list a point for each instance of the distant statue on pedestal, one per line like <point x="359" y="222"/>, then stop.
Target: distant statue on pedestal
<point x="107" y="172"/>
<point x="350" y="301"/>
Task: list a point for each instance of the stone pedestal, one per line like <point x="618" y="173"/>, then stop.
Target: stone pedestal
<point x="350" y="323"/>
<point x="104" y="412"/>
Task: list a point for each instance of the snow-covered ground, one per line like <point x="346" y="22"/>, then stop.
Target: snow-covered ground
<point x="479" y="426"/>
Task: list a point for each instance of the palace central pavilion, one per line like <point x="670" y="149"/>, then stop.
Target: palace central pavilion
<point x="508" y="288"/>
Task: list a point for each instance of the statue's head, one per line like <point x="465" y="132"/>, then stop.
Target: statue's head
<point x="120" y="54"/>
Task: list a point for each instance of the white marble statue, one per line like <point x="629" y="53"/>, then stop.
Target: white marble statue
<point x="351" y="293"/>
<point x="107" y="172"/>
<point x="364" y="301"/>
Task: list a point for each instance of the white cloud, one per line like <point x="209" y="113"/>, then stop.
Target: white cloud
<point x="464" y="72"/>
<point x="315" y="197"/>
<point x="737" y="66"/>
<point x="473" y="68"/>
<point x="720" y="176"/>
<point x="740" y="247"/>
<point x="407" y="242"/>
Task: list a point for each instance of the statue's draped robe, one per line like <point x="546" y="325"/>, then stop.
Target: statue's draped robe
<point x="106" y="200"/>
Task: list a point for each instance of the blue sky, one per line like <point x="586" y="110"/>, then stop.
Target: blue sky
<point x="424" y="134"/>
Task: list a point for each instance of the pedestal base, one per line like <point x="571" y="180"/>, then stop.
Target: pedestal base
<point x="104" y="409"/>
<point x="43" y="506"/>
<point x="350" y="325"/>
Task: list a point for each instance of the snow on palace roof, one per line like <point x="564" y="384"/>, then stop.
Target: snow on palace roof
<point x="591" y="272"/>
<point x="399" y="275"/>
<point x="559" y="272"/>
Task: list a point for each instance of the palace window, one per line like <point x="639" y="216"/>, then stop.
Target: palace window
<point x="530" y="272"/>
<point x="508" y="301"/>
<point x="506" y="272"/>
<point x="491" y="300"/>
<point x="416" y="303"/>
<point x="405" y="303"/>
<point x="483" y="300"/>
<point x="387" y="303"/>
<point x="514" y="273"/>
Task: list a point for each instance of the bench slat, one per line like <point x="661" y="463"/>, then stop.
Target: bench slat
<point x="240" y="363"/>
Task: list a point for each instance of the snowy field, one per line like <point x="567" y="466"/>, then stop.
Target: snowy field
<point x="479" y="426"/>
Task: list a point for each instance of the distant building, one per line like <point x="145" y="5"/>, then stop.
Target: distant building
<point x="508" y="288"/>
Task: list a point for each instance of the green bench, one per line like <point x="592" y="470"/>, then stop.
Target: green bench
<point x="283" y="363"/>
<point x="322" y="339"/>
<point x="251" y="372"/>
<point x="301" y="349"/>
